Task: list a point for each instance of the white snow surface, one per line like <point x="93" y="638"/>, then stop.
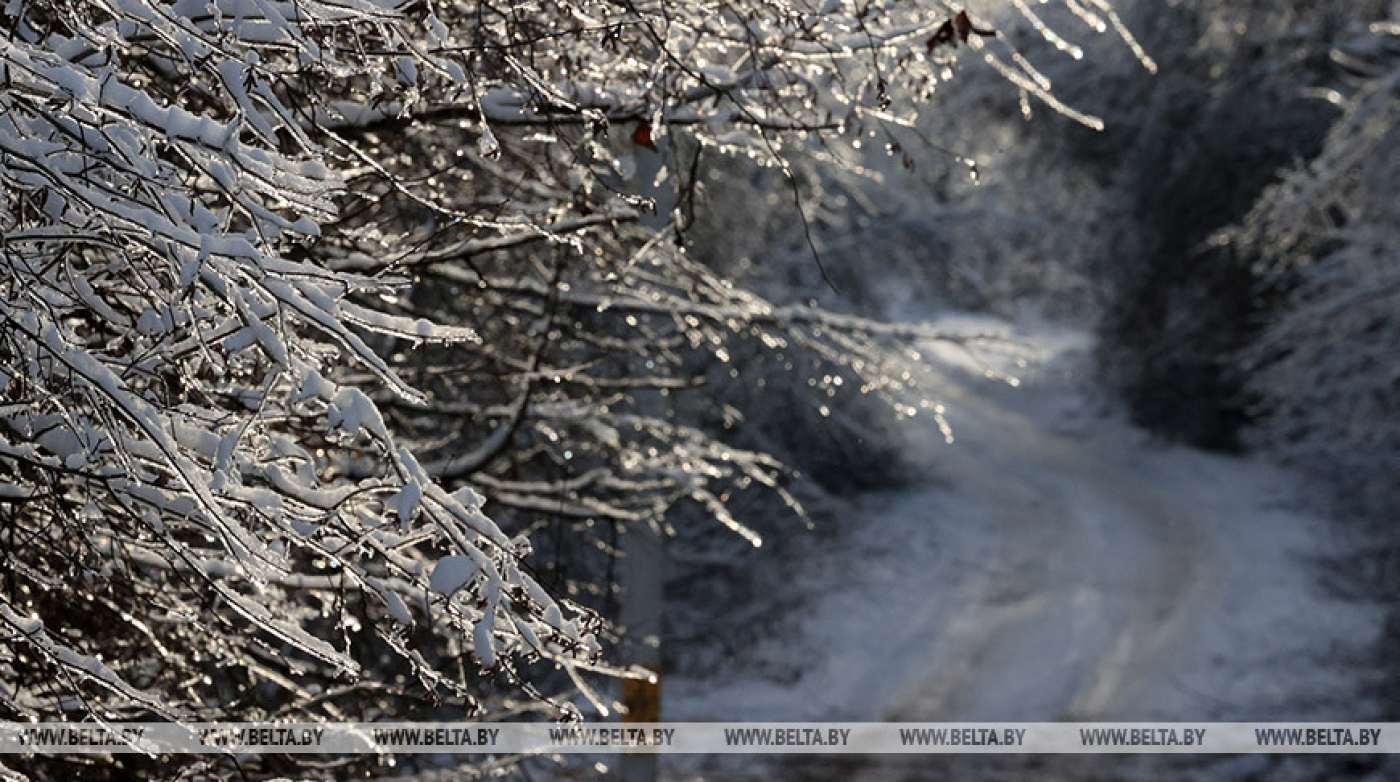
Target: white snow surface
<point x="1058" y="563"/>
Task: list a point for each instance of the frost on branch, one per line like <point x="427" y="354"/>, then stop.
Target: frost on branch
<point x="291" y="290"/>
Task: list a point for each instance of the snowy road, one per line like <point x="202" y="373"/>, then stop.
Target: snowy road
<point x="1093" y="577"/>
<point x="1059" y="565"/>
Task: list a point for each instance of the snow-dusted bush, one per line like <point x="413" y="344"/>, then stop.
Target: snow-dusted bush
<point x="1244" y="90"/>
<point x="1327" y="237"/>
<point x="290" y="290"/>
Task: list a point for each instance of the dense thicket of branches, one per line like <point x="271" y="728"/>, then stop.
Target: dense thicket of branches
<point x="290" y="290"/>
<point x="1248" y="89"/>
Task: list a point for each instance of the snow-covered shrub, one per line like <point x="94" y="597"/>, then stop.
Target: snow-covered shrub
<point x="290" y="291"/>
<point x="1327" y="237"/>
<point x="1243" y="92"/>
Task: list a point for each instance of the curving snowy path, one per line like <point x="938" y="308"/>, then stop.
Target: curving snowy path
<point x="1059" y="565"/>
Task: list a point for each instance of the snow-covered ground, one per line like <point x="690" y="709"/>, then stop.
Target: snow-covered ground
<point x="1057" y="564"/>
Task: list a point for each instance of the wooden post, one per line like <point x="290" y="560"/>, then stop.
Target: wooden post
<point x="642" y="578"/>
<point x="641" y="572"/>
